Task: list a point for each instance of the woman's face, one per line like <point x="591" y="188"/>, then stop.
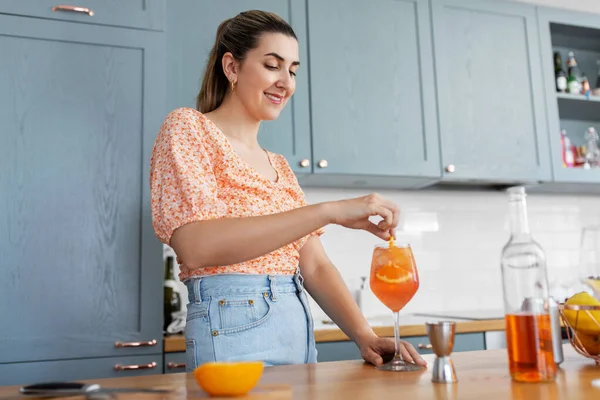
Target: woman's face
<point x="266" y="78"/>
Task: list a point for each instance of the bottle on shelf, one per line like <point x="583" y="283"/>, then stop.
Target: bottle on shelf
<point x="527" y="305"/>
<point x="559" y="74"/>
<point x="596" y="89"/>
<point x="171" y="295"/>
<point x="585" y="86"/>
<point x="574" y="75"/>
<point x="568" y="154"/>
<point x="592" y="158"/>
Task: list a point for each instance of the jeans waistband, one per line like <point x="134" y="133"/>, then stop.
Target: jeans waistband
<point x="202" y="288"/>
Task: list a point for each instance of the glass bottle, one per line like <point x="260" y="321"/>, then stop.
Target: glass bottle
<point x="593" y="150"/>
<point x="526" y="299"/>
<point x="559" y="74"/>
<point x="574" y="75"/>
<point x="171" y="296"/>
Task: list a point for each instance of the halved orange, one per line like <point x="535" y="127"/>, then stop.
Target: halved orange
<point x="393" y="274"/>
<point x="228" y="378"/>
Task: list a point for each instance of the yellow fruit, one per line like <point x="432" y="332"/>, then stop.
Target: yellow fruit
<point x="228" y="378"/>
<point x="587" y="322"/>
<point x="591" y="343"/>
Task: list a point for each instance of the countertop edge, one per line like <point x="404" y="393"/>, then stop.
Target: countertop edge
<point x="176" y="343"/>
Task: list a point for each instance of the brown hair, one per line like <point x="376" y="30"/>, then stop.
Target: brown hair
<point x="237" y="35"/>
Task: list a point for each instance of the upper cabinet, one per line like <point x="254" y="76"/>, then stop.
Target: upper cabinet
<point x="573" y="111"/>
<point x="372" y="92"/>
<point x="490" y="92"/>
<point x="191" y="29"/>
<point x="141" y="14"/>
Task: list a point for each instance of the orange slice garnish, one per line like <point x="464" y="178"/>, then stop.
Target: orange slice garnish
<point x="393" y="274"/>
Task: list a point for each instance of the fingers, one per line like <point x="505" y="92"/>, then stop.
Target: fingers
<point x="372" y="357"/>
<point x="414" y="355"/>
<point x="388" y="210"/>
<point x="377" y="231"/>
<point x="386" y="214"/>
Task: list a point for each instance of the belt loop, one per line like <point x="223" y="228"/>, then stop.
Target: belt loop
<point x="273" y="287"/>
<point x="197" y="295"/>
<point x="299" y="279"/>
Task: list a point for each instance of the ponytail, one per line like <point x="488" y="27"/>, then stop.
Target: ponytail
<point x="214" y="83"/>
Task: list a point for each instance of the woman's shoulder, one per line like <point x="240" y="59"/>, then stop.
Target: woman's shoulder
<point x="183" y="121"/>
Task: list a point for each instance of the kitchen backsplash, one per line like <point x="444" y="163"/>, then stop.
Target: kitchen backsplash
<point x="457" y="237"/>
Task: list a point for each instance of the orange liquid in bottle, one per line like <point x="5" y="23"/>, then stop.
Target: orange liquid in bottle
<point x="529" y="344"/>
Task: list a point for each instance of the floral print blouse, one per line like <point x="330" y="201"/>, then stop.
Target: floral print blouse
<point x="196" y="175"/>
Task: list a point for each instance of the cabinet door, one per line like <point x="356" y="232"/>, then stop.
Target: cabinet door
<point x="191" y="35"/>
<point x="372" y="90"/>
<point x="81" y="267"/>
<point x="143" y="14"/>
<point x="490" y="93"/>
<point x="73" y="370"/>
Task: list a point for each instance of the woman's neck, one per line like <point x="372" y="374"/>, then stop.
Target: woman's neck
<point x="235" y="123"/>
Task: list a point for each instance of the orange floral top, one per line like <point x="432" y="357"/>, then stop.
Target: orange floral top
<point x="196" y="175"/>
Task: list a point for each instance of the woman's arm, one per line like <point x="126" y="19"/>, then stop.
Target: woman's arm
<point x="325" y="284"/>
<point x="229" y="241"/>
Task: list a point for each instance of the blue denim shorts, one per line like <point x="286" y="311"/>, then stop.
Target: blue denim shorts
<point x="248" y="318"/>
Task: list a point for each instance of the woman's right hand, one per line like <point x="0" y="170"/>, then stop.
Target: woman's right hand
<point x="355" y="213"/>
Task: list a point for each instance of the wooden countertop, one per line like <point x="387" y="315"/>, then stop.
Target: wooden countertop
<point x="481" y="375"/>
<point x="176" y="343"/>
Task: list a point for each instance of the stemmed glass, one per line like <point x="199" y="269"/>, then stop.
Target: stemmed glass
<point x="589" y="259"/>
<point x="394" y="281"/>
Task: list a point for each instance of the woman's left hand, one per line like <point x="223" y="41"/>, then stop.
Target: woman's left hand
<point x="374" y="348"/>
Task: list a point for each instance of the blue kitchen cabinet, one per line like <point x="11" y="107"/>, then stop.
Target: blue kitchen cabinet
<point x="372" y="93"/>
<point x="174" y="362"/>
<point x="490" y="92"/>
<point x="140" y="14"/>
<point x="191" y="29"/>
<point x="89" y="369"/>
<point x="80" y="267"/>
<point x="347" y="350"/>
<point x="564" y="31"/>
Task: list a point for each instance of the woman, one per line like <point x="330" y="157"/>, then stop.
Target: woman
<point x="237" y="218"/>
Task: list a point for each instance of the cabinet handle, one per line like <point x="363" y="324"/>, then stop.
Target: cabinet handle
<point x="135" y="344"/>
<point x="119" y="367"/>
<point x="450" y="168"/>
<point x="305" y="163"/>
<point x="76" y="9"/>
<point x="173" y="365"/>
<point x="323" y="164"/>
<point x="425" y="346"/>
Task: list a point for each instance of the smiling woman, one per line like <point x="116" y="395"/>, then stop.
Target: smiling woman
<point x="247" y="241"/>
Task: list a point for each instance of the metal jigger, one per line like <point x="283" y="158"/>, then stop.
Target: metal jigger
<point x="441" y="337"/>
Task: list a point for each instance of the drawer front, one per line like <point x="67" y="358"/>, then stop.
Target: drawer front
<point x="347" y="350"/>
<point x="70" y="370"/>
<point x="174" y="362"/>
<point x="141" y="14"/>
<point x="462" y="342"/>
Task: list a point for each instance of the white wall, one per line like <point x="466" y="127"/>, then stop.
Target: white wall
<point x="459" y="265"/>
